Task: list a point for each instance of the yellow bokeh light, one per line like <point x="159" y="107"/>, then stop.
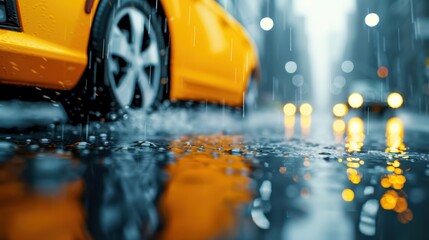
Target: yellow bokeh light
<point x="395" y="135"/>
<point x="356" y="127"/>
<point x="401" y="205"/>
<point x="306" y="109"/>
<point x="355" y="178"/>
<point x="340" y="110"/>
<point x="348" y="195"/>
<point x="355" y="100"/>
<point x="395" y="127"/>
<point x="385" y="183"/>
<point x="398" y="171"/>
<point x="289" y="109"/>
<point x="390" y="168"/>
<point x="339" y="126"/>
<point x="355" y="135"/>
<point x="351" y="171"/>
<point x="396" y="163"/>
<point x="353" y="165"/>
<point x="389" y="200"/>
<point x="395" y="100"/>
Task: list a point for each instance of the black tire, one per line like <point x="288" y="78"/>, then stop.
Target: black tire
<point x="94" y="98"/>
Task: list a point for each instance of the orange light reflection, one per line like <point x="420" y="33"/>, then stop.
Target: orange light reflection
<point x="206" y="189"/>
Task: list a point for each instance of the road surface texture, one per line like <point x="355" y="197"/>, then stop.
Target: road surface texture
<point x="207" y="174"/>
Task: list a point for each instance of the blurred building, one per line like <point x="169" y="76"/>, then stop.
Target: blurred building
<point x="285" y="43"/>
<point x="400" y="42"/>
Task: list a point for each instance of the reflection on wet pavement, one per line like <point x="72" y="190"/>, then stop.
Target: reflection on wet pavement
<point x="209" y="183"/>
<point x="40" y="198"/>
<point x="365" y="183"/>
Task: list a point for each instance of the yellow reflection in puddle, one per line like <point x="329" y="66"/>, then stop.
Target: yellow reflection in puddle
<point x="355" y="138"/>
<point x="289" y="123"/>
<point x="305" y="125"/>
<point x="206" y="189"/>
<point x="395" y="136"/>
<point x="395" y="199"/>
<point x="355" y="135"/>
<point x="339" y="128"/>
<point x="28" y="213"/>
<point x="348" y="195"/>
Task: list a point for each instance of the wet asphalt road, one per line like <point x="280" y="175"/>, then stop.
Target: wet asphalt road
<point x="204" y="174"/>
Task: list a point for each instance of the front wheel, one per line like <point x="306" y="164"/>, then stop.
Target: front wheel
<point x="126" y="71"/>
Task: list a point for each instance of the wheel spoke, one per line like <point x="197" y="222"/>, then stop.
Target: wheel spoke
<point x="137" y="22"/>
<point x="127" y="58"/>
<point x="146" y="88"/>
<point x="126" y="88"/>
<point x="150" y="55"/>
<point x="113" y="66"/>
<point x="119" y="45"/>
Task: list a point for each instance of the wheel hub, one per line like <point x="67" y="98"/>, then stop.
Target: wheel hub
<point x="133" y="60"/>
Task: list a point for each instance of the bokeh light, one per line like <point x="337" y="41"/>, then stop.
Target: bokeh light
<point x="355" y="135"/>
<point x="347" y="66"/>
<point x="406" y="216"/>
<point x="291" y="67"/>
<point x="395" y="100"/>
<point x="339" y="81"/>
<point x="389" y="200"/>
<point x="306" y="109"/>
<point x="383" y="72"/>
<point x="356" y="126"/>
<point x="339" y="126"/>
<point x="267" y="24"/>
<point x="355" y="100"/>
<point x="298" y="80"/>
<point x="340" y="110"/>
<point x="395" y="136"/>
<point x="348" y="195"/>
<point x="372" y="20"/>
<point x="289" y="109"/>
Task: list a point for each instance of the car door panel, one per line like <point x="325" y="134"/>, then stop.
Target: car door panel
<point x="201" y="53"/>
<point x="51" y="50"/>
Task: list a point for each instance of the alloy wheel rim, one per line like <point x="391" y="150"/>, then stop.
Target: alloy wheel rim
<point x="133" y="60"/>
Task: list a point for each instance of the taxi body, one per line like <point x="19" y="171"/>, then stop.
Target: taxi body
<point x="127" y="55"/>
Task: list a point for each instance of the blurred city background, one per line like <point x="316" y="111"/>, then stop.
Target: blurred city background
<point x="316" y="51"/>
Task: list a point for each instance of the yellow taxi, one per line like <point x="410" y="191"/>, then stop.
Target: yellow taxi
<point x="119" y="56"/>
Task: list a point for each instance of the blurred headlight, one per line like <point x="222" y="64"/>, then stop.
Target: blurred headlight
<point x="355" y="100"/>
<point x="306" y="109"/>
<point x="340" y="110"/>
<point x="395" y="100"/>
<point x="289" y="109"/>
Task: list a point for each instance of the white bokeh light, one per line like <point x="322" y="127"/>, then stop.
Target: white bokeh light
<point x="347" y="66"/>
<point x="291" y="67"/>
<point x="298" y="80"/>
<point x="339" y="81"/>
<point x="372" y="20"/>
<point x="267" y="24"/>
